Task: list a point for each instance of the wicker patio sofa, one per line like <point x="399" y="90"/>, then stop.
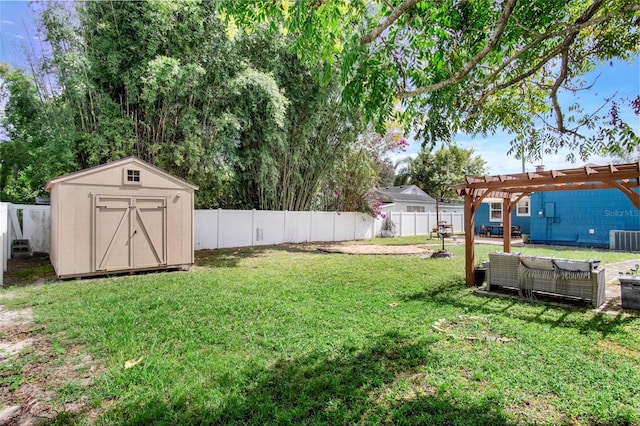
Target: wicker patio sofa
<point x="530" y="275"/>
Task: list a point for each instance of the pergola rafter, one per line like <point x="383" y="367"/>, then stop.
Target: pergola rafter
<point x="511" y="188"/>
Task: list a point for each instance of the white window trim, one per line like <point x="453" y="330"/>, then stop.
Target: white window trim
<point x="491" y="218"/>
<point x="528" y="204"/>
<point x="125" y="179"/>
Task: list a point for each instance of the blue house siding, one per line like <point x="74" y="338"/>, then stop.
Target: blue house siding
<point x="581" y="218"/>
<point x="482" y="218"/>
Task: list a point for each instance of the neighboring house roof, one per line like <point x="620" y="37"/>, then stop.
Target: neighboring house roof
<point x="408" y="193"/>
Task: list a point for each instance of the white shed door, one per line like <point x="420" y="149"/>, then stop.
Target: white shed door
<point x="130" y="232"/>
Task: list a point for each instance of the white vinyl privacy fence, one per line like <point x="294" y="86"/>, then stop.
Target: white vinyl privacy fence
<point x="421" y="223"/>
<point x="23" y="222"/>
<point x="4" y="238"/>
<point x="236" y="228"/>
<point x="244" y="228"/>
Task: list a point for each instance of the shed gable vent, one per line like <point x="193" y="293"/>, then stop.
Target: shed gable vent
<point x="624" y="240"/>
<point x="132" y="177"/>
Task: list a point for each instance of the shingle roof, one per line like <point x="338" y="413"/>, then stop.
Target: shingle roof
<point x="403" y="193"/>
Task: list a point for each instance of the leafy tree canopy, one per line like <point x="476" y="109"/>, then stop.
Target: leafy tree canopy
<point x="436" y="172"/>
<point x="472" y="65"/>
<point x="242" y="117"/>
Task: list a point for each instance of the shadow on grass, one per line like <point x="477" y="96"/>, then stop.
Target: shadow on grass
<point x="355" y="387"/>
<point x="229" y="258"/>
<point x="26" y="271"/>
<point x="455" y="293"/>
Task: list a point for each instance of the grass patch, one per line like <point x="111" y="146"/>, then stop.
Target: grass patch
<point x="291" y="336"/>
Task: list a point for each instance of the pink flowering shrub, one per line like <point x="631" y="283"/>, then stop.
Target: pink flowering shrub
<point x="351" y="186"/>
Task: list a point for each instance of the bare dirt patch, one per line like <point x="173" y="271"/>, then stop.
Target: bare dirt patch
<point x="376" y="249"/>
<point x="33" y="373"/>
<point x="30" y="270"/>
<point x="611" y="346"/>
<point x="10" y="319"/>
<point x="538" y="410"/>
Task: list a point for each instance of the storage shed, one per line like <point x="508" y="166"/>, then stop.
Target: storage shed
<point x="126" y="215"/>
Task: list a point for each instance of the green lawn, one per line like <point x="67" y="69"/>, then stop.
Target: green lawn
<point x="288" y="336"/>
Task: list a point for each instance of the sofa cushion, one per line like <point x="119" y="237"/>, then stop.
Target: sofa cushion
<point x="543" y="263"/>
<point x="573" y="265"/>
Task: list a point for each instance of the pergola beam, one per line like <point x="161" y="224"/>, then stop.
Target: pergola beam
<point x="584" y="174"/>
<point x="633" y="196"/>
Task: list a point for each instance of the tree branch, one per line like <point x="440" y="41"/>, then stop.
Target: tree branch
<point x="501" y="24"/>
<point x="389" y="5"/>
<point x="552" y="54"/>
<point x="568" y="30"/>
<point x="583" y="21"/>
<point x="564" y="72"/>
<point x="388" y="21"/>
<point x="564" y="65"/>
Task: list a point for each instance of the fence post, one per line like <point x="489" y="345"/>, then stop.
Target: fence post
<point x="4" y="218"/>
<point x="219" y="223"/>
<point x="2" y="258"/>
<point x="253" y="227"/>
<point x="355" y="225"/>
<point x="284" y="227"/>
<point x="15" y="228"/>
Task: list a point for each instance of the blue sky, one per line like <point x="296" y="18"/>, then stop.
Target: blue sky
<point x="17" y="30"/>
<point x="16" y="22"/>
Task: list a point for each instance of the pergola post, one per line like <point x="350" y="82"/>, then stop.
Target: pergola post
<point x="469" y="250"/>
<point x="506" y="224"/>
<point x="512" y="187"/>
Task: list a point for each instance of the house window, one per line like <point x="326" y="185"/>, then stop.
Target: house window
<point x="495" y="212"/>
<point x="418" y="209"/>
<point x="522" y="209"/>
<point x="132" y="176"/>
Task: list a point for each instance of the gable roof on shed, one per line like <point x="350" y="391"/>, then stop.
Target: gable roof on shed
<point x="119" y="163"/>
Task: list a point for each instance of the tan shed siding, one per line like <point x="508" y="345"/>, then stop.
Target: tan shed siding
<point x="73" y="215"/>
<point x="175" y="228"/>
<point x="115" y="176"/>
<point x="83" y="228"/>
<point x="187" y="220"/>
<point x="68" y="240"/>
<point x="191" y="228"/>
<point x="55" y="234"/>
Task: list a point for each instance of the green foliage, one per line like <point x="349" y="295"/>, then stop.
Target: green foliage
<point x="292" y="131"/>
<point x="473" y="66"/>
<point x="348" y="187"/>
<point x="41" y="139"/>
<point x="436" y="172"/>
<point x="241" y="117"/>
